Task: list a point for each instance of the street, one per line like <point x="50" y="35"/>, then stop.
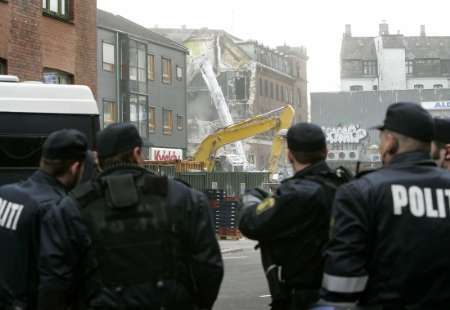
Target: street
<point x="244" y="286"/>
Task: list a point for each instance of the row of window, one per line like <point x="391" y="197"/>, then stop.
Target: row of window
<point x="143" y="116"/>
<point x="420" y="86"/>
<point x="58" y="8"/>
<point x="275" y="91"/>
<point x="141" y="64"/>
<point x="375" y="87"/>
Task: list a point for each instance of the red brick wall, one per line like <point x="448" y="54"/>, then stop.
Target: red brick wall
<point x="31" y="41"/>
<point x="86" y="43"/>
<point x="24" y="44"/>
<point x="58" y="44"/>
<point x="4" y="29"/>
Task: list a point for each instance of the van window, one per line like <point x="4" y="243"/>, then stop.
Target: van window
<point x="20" y="152"/>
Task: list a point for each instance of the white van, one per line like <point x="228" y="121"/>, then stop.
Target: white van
<point x="29" y="112"/>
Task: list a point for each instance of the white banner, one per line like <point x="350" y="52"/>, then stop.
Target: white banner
<point x="436" y="105"/>
<point x="157" y="153"/>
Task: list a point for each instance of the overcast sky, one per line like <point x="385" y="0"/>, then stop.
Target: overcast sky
<point x="316" y="24"/>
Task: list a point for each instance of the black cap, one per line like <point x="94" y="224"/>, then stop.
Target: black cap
<point x="116" y="139"/>
<point x="306" y="137"/>
<point x="442" y="127"/>
<point x="409" y="119"/>
<point x="65" y="144"/>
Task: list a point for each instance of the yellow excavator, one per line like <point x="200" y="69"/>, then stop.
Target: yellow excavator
<point x="277" y="120"/>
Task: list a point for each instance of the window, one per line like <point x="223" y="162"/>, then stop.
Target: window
<point x="57" y="77"/>
<point x="166" y="70"/>
<point x="282" y="93"/>
<point x="375" y="87"/>
<point x="179" y="73"/>
<point x="180" y="122"/>
<point x="138" y="113"/>
<point x="108" y="57"/>
<point x="370" y="68"/>
<point x="109" y="112"/>
<point x="438" y="86"/>
<point x="427" y="67"/>
<point x="445" y="67"/>
<point x="167" y="122"/>
<point x="151" y="67"/>
<point x="356" y="88"/>
<point x="410" y="67"/>
<point x="56" y="7"/>
<point x="151" y="119"/>
<point x="3" y="67"/>
<point x="266" y="88"/>
<point x="271" y="90"/>
<point x="277" y="92"/>
<point x="261" y="87"/>
<point x="418" y="86"/>
<point x="138" y="67"/>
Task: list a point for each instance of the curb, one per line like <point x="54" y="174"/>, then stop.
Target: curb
<point x="226" y="251"/>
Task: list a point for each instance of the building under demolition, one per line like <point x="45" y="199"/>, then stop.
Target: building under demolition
<point x="348" y="118"/>
<point x="254" y="79"/>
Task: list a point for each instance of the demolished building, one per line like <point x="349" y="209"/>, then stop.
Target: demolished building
<point x="254" y="79"/>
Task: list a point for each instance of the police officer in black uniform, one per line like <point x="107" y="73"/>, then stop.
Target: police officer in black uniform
<point x="292" y="227"/>
<point x="130" y="239"/>
<point x="61" y="167"/>
<point x="440" y="149"/>
<point x="391" y="239"/>
<point x="21" y="208"/>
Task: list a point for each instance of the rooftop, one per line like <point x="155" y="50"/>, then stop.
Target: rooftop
<point x="119" y="23"/>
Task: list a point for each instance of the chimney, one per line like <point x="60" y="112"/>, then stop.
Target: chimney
<point x="348" y="30"/>
<point x="384" y="28"/>
<point x="422" y="31"/>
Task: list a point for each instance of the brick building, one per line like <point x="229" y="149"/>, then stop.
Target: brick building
<point x="49" y="40"/>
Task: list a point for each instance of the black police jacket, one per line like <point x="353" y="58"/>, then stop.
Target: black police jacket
<point x="391" y="238"/>
<point x="295" y="224"/>
<point x="19" y="241"/>
<point x="67" y="261"/>
<point x="45" y="189"/>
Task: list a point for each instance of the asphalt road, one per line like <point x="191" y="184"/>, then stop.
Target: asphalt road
<point x="244" y="286"/>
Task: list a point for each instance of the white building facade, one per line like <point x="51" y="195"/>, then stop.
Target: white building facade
<point x="394" y="62"/>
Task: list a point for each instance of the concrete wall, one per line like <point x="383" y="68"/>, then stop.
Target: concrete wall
<point x="367" y="109"/>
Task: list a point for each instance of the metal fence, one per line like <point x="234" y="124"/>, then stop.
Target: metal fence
<point x="233" y="183"/>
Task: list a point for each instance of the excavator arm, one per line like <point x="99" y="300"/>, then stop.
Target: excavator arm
<point x="274" y="120"/>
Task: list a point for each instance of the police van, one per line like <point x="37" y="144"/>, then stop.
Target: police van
<point x="29" y="112"/>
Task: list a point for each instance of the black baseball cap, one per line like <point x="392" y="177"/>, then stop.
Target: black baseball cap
<point x="65" y="144"/>
<point x="442" y="128"/>
<point x="117" y="138"/>
<point x="306" y="137"/>
<point x="409" y="119"/>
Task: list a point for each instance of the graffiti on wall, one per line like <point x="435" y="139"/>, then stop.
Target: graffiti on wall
<point x="345" y="134"/>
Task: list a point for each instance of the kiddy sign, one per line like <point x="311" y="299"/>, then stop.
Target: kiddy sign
<point x="436" y="105"/>
<point x="344" y="134"/>
<point x="165" y="154"/>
